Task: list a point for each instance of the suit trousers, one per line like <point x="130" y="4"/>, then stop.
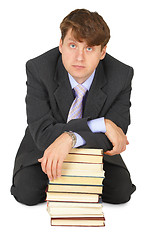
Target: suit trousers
<point x="30" y="183"/>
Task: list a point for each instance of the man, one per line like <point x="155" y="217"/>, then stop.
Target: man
<point x="77" y="96"/>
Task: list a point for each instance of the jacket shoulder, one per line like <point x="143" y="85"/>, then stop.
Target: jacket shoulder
<point x="46" y="60"/>
<point x="113" y="63"/>
<point x="116" y="70"/>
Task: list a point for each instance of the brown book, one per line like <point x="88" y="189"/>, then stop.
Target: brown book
<point x="79" y="221"/>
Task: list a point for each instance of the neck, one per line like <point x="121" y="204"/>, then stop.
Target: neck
<point x="80" y="81"/>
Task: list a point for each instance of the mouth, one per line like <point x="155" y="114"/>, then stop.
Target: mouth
<point x="78" y="66"/>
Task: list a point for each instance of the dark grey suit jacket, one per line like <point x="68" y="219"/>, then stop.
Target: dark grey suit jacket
<point x="49" y="97"/>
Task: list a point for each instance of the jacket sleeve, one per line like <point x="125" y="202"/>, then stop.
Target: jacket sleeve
<point x="119" y="113"/>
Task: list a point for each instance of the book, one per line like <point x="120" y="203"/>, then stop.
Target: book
<point x="74" y="211"/>
<point x="89" y="151"/>
<point x="90" y="222"/>
<point x="74" y="188"/>
<point x="78" y="180"/>
<point x="83" y="158"/>
<point x="77" y="215"/>
<point x="94" y="167"/>
<point x="72" y="197"/>
<point x="74" y="204"/>
<point x="82" y="173"/>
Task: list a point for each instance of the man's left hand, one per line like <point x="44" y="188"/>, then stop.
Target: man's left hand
<point x="117" y="138"/>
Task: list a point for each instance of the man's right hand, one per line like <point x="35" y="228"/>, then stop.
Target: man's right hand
<point x="116" y="137"/>
<point x="54" y="155"/>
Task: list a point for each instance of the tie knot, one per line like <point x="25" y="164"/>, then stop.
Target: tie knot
<point x="80" y="91"/>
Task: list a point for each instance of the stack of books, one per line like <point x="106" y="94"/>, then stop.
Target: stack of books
<point x="74" y="198"/>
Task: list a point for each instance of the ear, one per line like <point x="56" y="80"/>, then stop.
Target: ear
<point x="103" y="52"/>
<point x="60" y="45"/>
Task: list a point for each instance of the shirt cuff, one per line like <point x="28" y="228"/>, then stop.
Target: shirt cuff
<point x="97" y="125"/>
<point x="80" y="141"/>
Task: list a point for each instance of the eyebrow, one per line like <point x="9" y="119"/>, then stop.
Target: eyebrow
<point x="75" y="41"/>
<point x="72" y="40"/>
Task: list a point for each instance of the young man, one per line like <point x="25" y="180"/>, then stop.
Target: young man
<point x="77" y="96"/>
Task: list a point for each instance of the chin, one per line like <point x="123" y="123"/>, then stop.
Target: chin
<point x="75" y="74"/>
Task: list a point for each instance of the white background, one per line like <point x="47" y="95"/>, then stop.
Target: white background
<point x="31" y="27"/>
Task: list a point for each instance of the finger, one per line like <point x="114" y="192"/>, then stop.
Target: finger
<point x="40" y="159"/>
<point x="49" y="169"/>
<point x="123" y="149"/>
<point x="43" y="165"/>
<point x="111" y="152"/>
<point x="116" y="150"/>
<point x="59" y="168"/>
<point x="54" y="169"/>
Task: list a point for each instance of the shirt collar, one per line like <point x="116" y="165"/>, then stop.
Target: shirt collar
<point x="86" y="84"/>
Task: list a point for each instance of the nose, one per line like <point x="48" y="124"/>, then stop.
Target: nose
<point x="80" y="55"/>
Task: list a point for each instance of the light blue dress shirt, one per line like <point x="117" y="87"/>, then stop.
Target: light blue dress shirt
<point x="95" y="125"/>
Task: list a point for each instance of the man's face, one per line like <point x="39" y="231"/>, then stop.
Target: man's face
<point x="79" y="59"/>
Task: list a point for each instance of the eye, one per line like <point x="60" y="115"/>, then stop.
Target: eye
<point x="72" y="45"/>
<point x="89" y="49"/>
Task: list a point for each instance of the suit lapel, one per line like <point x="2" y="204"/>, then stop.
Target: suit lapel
<point x="96" y="97"/>
<point x="63" y="94"/>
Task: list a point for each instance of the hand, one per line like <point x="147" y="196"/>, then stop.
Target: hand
<point x="116" y="137"/>
<point x="54" y="155"/>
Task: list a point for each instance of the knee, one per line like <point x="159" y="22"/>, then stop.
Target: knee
<point x="26" y="190"/>
<point x="117" y="190"/>
<point x="27" y="196"/>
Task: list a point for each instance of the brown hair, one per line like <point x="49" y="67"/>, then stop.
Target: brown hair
<point x="86" y="25"/>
